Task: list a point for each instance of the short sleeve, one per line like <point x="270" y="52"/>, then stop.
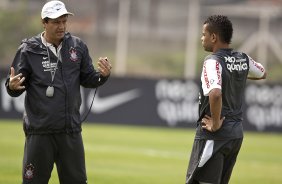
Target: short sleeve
<point x="211" y="76"/>
<point x="256" y="69"/>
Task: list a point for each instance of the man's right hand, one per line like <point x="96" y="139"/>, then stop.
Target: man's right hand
<point x="15" y="82"/>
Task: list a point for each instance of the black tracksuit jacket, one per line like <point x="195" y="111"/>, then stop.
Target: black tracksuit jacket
<point x="60" y="113"/>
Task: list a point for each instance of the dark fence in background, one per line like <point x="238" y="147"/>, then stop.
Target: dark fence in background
<point x="160" y="102"/>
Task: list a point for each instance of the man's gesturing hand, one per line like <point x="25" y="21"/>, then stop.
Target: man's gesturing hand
<point x="15" y="82"/>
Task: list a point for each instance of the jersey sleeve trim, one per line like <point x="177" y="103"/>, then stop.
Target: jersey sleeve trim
<point x="211" y="76"/>
<point x="256" y="70"/>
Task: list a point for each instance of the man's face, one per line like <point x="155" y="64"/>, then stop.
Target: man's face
<point x="207" y="39"/>
<point x="55" y="28"/>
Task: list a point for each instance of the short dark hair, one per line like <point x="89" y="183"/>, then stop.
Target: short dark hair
<point x="221" y="25"/>
<point x="45" y="20"/>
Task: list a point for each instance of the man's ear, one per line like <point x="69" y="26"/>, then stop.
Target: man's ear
<point x="213" y="37"/>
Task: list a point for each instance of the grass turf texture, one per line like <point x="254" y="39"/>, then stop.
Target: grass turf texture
<point x="145" y="155"/>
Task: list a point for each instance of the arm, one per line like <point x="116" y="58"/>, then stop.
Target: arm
<point x="16" y="80"/>
<point x="211" y="84"/>
<point x="256" y="70"/>
<point x="214" y="122"/>
<point x="90" y="78"/>
<point x="254" y="78"/>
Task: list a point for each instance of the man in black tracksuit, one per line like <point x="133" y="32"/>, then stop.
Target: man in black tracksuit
<point x="219" y="132"/>
<point x="50" y="68"/>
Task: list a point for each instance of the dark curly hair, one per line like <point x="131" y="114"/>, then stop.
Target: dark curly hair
<point x="221" y="25"/>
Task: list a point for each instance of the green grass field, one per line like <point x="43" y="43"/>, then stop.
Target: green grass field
<point x="146" y="155"/>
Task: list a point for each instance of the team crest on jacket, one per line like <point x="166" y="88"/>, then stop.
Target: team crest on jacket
<point x="73" y="54"/>
<point x="29" y="171"/>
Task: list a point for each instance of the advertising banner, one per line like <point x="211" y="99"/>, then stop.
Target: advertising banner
<point x="160" y="102"/>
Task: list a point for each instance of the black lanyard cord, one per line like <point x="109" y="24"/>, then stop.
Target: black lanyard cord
<point x="90" y="106"/>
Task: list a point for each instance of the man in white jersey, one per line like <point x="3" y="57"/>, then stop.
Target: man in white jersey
<point x="219" y="132"/>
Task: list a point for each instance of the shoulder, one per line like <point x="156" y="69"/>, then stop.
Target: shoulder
<point x="211" y="61"/>
<point x="217" y="56"/>
<point x="239" y="54"/>
<point x="74" y="39"/>
<point x="30" y="43"/>
<point x="211" y="57"/>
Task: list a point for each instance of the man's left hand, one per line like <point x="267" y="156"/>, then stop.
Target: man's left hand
<point x="104" y="66"/>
